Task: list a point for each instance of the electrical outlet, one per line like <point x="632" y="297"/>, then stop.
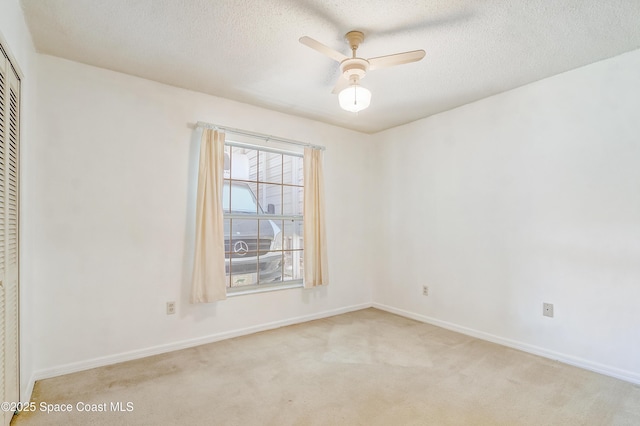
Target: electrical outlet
<point x="547" y="309"/>
<point x="425" y="290"/>
<point x="171" y="308"/>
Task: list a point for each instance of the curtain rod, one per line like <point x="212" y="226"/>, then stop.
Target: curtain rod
<point x="266" y="138"/>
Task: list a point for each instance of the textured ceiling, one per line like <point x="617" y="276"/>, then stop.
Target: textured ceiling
<point x="249" y="51"/>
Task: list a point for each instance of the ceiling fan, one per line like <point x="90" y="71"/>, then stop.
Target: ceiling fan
<point x="351" y="95"/>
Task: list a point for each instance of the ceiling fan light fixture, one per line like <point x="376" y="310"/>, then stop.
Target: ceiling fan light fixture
<point x="354" y="98"/>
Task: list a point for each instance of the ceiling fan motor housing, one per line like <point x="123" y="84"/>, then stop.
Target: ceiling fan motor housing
<point x="354" y="68"/>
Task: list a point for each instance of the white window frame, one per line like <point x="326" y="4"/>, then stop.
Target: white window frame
<point x="229" y="260"/>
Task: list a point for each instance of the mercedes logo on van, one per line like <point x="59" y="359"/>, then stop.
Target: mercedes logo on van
<point x="240" y="248"/>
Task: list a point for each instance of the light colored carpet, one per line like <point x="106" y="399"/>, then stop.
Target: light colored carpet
<point x="363" y="368"/>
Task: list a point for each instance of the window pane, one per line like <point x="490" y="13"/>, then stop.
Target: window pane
<point x="292" y="170"/>
<point x="292" y="200"/>
<point x="253" y="187"/>
<point x="227" y="162"/>
<point x="244" y="237"/>
<point x="225" y="196"/>
<point x="227" y="277"/>
<point x="270" y="267"/>
<point x="292" y="235"/>
<point x="270" y="167"/>
<point x="293" y="265"/>
<point x="242" y="199"/>
<point x="244" y="271"/>
<point x="293" y="255"/>
<point x="227" y="248"/>
<point x="227" y="230"/>
<point x="270" y="235"/>
<point x="270" y="251"/>
<point x="244" y="162"/>
<point x="270" y="195"/>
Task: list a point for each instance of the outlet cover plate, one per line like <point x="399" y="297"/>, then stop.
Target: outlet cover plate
<point x="547" y="309"/>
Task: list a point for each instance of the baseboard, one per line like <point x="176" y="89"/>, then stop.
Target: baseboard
<point x="183" y="344"/>
<point x="525" y="347"/>
<point x="25" y="394"/>
<point x="156" y="350"/>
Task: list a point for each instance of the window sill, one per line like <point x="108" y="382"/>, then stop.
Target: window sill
<point x="264" y="289"/>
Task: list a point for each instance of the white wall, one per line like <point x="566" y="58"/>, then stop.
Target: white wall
<point x="115" y="188"/>
<point x="14" y="32"/>
<point x="526" y="197"/>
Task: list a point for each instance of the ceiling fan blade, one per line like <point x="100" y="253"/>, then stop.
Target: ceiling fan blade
<point x="341" y="84"/>
<point x="325" y="50"/>
<point x="396" y="59"/>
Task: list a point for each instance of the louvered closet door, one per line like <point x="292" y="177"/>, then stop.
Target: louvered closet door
<point x="9" y="132"/>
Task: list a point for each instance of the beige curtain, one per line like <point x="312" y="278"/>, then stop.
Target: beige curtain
<point x="315" y="241"/>
<point x="209" y="280"/>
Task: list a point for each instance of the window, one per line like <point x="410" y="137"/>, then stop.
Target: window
<point x="262" y="202"/>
